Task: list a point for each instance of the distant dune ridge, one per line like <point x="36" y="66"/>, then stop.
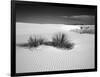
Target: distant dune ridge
<point x="87" y="29"/>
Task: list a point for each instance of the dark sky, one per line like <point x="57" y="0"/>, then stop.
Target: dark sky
<point x="51" y="14"/>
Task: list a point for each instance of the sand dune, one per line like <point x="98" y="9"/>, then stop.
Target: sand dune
<point x="47" y="58"/>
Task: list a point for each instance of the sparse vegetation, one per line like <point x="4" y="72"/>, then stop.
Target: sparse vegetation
<point x="33" y="42"/>
<point x="85" y="30"/>
<point x="59" y="40"/>
<point x="89" y="31"/>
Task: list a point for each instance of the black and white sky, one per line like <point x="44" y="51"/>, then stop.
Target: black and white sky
<point x="48" y="14"/>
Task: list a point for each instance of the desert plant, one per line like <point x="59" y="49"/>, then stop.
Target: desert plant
<point x="35" y="42"/>
<point x="60" y="40"/>
<point x="88" y="31"/>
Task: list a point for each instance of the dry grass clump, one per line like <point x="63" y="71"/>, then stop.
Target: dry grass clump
<point x="35" y="42"/>
<point x="88" y="31"/>
<point x="60" y="40"/>
<point x="32" y="42"/>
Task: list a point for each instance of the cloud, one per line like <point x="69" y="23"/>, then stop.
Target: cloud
<point x="80" y="19"/>
<point x="83" y="17"/>
<point x="64" y="16"/>
<point x="68" y="20"/>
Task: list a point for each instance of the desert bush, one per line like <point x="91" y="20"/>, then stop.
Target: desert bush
<point x="60" y="40"/>
<point x="89" y="31"/>
<point x="34" y="41"/>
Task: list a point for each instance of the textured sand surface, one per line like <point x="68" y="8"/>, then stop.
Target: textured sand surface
<point x="46" y="58"/>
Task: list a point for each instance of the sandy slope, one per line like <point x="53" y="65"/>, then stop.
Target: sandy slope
<point x="46" y="58"/>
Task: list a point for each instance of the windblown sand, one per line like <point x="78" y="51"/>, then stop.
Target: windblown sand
<point x="47" y="58"/>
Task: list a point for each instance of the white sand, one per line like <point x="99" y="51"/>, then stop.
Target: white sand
<point x="46" y="58"/>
